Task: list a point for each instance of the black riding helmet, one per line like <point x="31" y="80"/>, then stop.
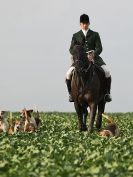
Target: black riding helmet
<point x="84" y="19"/>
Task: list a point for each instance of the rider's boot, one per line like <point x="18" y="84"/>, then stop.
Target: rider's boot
<point x="68" y="83"/>
<point x="107" y="96"/>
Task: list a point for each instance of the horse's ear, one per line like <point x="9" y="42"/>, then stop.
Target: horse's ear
<point x="76" y="49"/>
<point x="79" y="47"/>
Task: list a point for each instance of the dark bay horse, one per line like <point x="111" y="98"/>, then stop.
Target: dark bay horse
<point x="87" y="88"/>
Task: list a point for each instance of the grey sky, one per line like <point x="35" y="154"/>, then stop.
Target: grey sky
<point x="35" y="36"/>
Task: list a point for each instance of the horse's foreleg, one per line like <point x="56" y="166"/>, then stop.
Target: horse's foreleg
<point x="93" y="109"/>
<point x="101" y="107"/>
<point x="85" y="114"/>
<point x="78" y="109"/>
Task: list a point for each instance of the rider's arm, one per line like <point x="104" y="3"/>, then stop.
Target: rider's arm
<point x="98" y="45"/>
<point x="73" y="42"/>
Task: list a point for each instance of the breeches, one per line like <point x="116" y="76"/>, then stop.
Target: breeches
<point x="104" y="67"/>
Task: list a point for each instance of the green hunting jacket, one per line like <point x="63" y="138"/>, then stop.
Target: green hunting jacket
<point x="92" y="41"/>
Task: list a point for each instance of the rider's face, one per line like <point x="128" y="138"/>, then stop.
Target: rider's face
<point x="84" y="26"/>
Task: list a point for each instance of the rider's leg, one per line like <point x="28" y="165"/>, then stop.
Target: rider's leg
<point x="68" y="82"/>
<point x="108" y="83"/>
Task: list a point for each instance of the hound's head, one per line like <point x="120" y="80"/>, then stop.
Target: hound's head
<point x="17" y="125"/>
<point x="2" y="114"/>
<point x="25" y="113"/>
<point x="105" y="133"/>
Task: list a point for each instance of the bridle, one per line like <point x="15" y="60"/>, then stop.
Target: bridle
<point x="83" y="68"/>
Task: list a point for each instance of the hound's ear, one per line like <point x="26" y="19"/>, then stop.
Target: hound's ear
<point x="30" y="110"/>
<point x="3" y="112"/>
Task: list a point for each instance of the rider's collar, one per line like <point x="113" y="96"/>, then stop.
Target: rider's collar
<point x="85" y="31"/>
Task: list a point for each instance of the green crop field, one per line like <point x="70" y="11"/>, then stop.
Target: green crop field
<point x="58" y="149"/>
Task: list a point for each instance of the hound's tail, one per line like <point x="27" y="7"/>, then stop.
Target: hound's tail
<point x="110" y="120"/>
<point x="37" y="112"/>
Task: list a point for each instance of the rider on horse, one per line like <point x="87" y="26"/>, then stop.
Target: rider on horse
<point x="91" y="43"/>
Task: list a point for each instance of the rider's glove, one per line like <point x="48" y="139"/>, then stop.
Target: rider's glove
<point x="91" y="55"/>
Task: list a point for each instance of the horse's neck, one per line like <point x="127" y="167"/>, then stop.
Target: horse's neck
<point x="84" y="79"/>
<point x="88" y="75"/>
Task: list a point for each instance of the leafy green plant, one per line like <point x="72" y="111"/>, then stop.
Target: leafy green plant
<point x="58" y="149"/>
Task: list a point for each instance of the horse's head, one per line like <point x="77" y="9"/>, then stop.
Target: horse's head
<point x="80" y="58"/>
